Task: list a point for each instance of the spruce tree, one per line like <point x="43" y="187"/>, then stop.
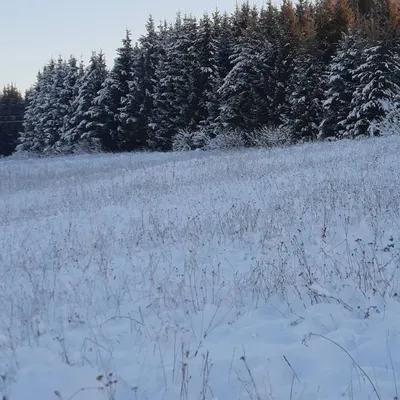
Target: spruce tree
<point x="271" y="84"/>
<point x="175" y="99"/>
<point x="56" y="108"/>
<point x="305" y="94"/>
<point x="139" y="102"/>
<point x="246" y="93"/>
<point x="36" y="134"/>
<point x="377" y="89"/>
<point x="224" y="42"/>
<point x="206" y="74"/>
<point x="286" y="44"/>
<point x="68" y="98"/>
<point x="107" y="108"/>
<point x="27" y="137"/>
<point x="11" y="116"/>
<point x="340" y="87"/>
<point x="81" y="134"/>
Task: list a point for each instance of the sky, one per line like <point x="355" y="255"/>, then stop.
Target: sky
<point x="33" y="31"/>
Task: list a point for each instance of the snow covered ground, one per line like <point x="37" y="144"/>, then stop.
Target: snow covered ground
<point x="259" y="274"/>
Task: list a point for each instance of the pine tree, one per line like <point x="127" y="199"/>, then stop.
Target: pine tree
<point x="175" y="98"/>
<point x="241" y="19"/>
<point x="81" y="134"/>
<point x="224" y="42"/>
<point x="305" y="93"/>
<point x="377" y="89"/>
<point x="286" y="44"/>
<point x="38" y="113"/>
<point x="325" y="29"/>
<point x="11" y="115"/>
<point x="340" y="87"/>
<point x="238" y="93"/>
<point x="271" y="84"/>
<point x="152" y="50"/>
<point x="68" y="99"/>
<point x="206" y="74"/>
<point x="108" y="115"/>
<point x="131" y="112"/>
<point x="139" y="102"/>
<point x="55" y="108"/>
<point x="27" y="140"/>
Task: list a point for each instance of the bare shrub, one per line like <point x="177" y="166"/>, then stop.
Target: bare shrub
<point x="268" y="136"/>
<point x="185" y="140"/>
<point x="227" y="139"/>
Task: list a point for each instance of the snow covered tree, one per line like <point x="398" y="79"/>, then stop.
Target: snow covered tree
<point x="305" y="97"/>
<point x="224" y="42"/>
<point x="68" y="97"/>
<point x="304" y="91"/>
<point x="108" y="116"/>
<point x="132" y="114"/>
<point x="206" y="74"/>
<point x="377" y="89"/>
<point x="237" y="94"/>
<point x="81" y="135"/>
<point x="139" y="102"/>
<point x="27" y="138"/>
<point x="37" y="112"/>
<point x="248" y="91"/>
<point x="270" y="81"/>
<point x="340" y="87"/>
<point x="11" y="115"/>
<point x="54" y="106"/>
<point x="286" y="44"/>
<point x="175" y="97"/>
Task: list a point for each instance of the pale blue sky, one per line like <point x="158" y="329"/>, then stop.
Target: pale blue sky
<point x="33" y="31"/>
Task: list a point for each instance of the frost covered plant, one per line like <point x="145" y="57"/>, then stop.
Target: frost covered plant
<point x="390" y="125"/>
<point x="269" y="136"/>
<point x="186" y="140"/>
<point x="227" y="139"/>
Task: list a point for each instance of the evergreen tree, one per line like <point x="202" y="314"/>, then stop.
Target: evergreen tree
<point x="107" y="110"/>
<point x="132" y="115"/>
<point x="325" y="29"/>
<point x="224" y="42"/>
<point x="27" y="136"/>
<point x="68" y="102"/>
<point x="139" y="102"/>
<point x="55" y="108"/>
<point x="241" y="19"/>
<point x="305" y="93"/>
<point x="284" y="44"/>
<point x="332" y="20"/>
<point x="377" y="90"/>
<point x="340" y="87"/>
<point x="11" y="115"/>
<point x="238" y="92"/>
<point x="206" y="74"/>
<point x="271" y="83"/>
<point x="175" y="98"/>
<point x="37" y="112"/>
<point x="82" y="135"/>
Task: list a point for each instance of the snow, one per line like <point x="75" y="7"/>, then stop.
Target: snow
<point x="251" y="274"/>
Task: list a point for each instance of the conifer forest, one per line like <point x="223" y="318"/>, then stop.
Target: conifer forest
<point x="296" y="72"/>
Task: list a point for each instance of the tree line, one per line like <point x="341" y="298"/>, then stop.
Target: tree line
<point x="306" y="71"/>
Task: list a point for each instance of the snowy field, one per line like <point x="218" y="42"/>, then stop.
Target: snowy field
<point x="260" y="274"/>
